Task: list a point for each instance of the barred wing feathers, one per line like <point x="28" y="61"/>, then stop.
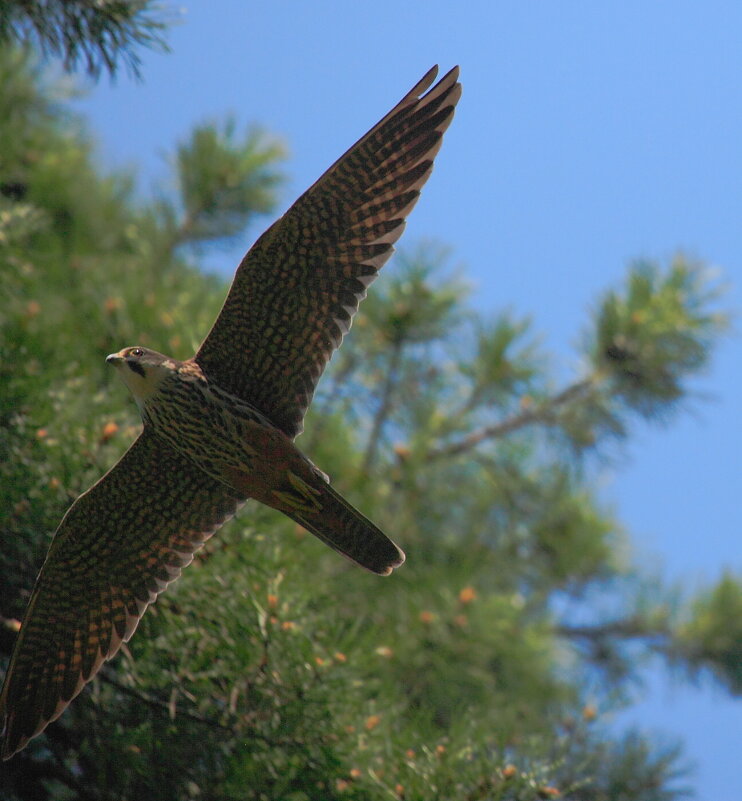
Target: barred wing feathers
<point x="119" y="545"/>
<point x="296" y="291"/>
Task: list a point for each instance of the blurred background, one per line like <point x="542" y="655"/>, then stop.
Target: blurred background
<point x="589" y="139"/>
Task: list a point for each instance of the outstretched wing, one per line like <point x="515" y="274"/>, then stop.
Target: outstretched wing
<point x="297" y="289"/>
<point x="119" y="545"/>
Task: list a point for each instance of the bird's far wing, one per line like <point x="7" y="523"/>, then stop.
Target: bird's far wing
<point x="296" y="291"/>
<point x="119" y="545"/>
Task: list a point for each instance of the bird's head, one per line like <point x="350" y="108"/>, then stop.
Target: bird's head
<point x="143" y="370"/>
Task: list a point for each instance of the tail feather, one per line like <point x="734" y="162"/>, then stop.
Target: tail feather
<point x="347" y="531"/>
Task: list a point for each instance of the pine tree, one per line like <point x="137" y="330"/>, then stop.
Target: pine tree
<point x="99" y="34"/>
<point x="484" y="668"/>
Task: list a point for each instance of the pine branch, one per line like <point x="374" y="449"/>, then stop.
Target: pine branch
<point x="165" y="706"/>
<point x="628" y="628"/>
<point x="385" y="405"/>
<point x="96" y="33"/>
<point x="542" y="413"/>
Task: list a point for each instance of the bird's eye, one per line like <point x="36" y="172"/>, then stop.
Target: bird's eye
<point x="136" y="352"/>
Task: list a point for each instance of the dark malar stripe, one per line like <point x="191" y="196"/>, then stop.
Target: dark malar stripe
<point x="136" y="368"/>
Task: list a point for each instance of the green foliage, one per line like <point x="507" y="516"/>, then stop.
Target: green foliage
<point x="651" y="339"/>
<point x="711" y="637"/>
<point x="224" y="183"/>
<point x="96" y="33"/>
<point x="274" y="670"/>
<point x="409" y="308"/>
<point x="630" y="768"/>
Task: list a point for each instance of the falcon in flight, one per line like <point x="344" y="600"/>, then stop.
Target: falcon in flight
<point x="219" y="428"/>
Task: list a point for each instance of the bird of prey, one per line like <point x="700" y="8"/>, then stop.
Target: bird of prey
<point x="219" y="428"/>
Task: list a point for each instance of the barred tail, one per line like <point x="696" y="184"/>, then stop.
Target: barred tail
<point x="347" y="531"/>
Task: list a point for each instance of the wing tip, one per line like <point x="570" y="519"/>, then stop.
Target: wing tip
<point x="9" y="751"/>
<point x="452" y="75"/>
<point x="13" y="740"/>
<point x="422" y="92"/>
<point x="20" y="729"/>
<point x="422" y="85"/>
<point x="386" y="568"/>
<point x="427" y="80"/>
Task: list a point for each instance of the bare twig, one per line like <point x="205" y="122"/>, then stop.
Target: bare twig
<point x="542" y="413"/>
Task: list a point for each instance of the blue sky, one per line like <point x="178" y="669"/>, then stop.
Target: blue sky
<point x="588" y="135"/>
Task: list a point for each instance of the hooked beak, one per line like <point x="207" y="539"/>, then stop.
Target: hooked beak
<point x="114" y="359"/>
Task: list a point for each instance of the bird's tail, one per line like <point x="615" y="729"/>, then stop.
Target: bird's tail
<point x="333" y="520"/>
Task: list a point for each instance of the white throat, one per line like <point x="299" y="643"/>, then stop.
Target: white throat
<point x="145" y="387"/>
